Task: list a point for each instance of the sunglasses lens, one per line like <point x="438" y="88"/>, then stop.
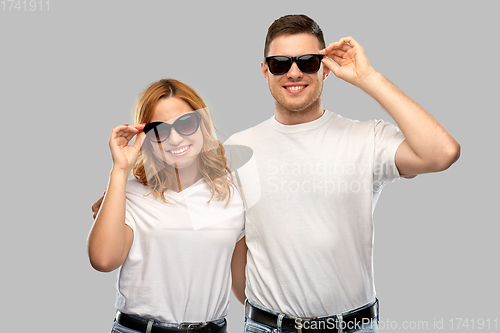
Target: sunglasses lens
<point x="279" y="65"/>
<point x="158" y="132"/>
<point x="162" y="132"/>
<point x="187" y="125"/>
<point x="309" y="63"/>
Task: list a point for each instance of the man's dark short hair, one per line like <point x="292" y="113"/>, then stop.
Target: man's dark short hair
<point x="291" y="25"/>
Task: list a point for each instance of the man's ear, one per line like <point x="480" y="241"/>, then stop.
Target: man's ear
<point x="265" y="71"/>
<point x="326" y="72"/>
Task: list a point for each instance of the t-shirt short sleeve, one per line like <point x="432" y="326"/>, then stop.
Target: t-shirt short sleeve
<point x="241" y="235"/>
<point x="129" y="220"/>
<point x="387" y="139"/>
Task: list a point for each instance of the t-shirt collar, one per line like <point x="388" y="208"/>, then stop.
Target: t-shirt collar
<point x="300" y="127"/>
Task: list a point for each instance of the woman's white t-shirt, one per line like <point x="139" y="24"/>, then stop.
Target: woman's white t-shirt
<point x="178" y="267"/>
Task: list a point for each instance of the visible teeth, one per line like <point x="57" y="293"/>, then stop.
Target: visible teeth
<point x="295" y="87"/>
<point x="179" y="151"/>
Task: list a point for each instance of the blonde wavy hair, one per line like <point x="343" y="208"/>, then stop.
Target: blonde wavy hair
<point x="211" y="161"/>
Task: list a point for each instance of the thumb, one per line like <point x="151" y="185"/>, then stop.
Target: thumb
<point x="332" y="65"/>
<point x="139" y="140"/>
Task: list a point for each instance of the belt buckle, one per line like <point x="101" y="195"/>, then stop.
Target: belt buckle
<point x="300" y="321"/>
<point x="189" y="326"/>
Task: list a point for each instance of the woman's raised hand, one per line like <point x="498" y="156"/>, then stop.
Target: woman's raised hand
<point x="124" y="155"/>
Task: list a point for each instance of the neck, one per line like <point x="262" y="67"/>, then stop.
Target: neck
<point x="186" y="177"/>
<point x="294" y="117"/>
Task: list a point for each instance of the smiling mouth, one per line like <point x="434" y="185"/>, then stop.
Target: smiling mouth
<point x="179" y="151"/>
<point x="294" y="88"/>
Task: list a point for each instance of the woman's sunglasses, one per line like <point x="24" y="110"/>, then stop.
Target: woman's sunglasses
<point x="185" y="125"/>
<point x="307" y="63"/>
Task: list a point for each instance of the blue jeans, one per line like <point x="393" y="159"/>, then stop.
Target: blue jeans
<point x="117" y="328"/>
<point x="255" y="327"/>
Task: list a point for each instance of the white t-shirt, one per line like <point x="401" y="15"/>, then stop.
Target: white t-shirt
<point x="309" y="225"/>
<point x="178" y="268"/>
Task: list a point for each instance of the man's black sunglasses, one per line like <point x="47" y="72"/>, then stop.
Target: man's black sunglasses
<point x="185" y="125"/>
<point x="307" y="63"/>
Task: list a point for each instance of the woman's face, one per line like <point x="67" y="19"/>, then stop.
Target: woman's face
<point x="178" y="150"/>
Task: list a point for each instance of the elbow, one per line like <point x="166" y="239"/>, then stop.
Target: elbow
<point x="103" y="264"/>
<point x="456" y="152"/>
<point x="450" y="155"/>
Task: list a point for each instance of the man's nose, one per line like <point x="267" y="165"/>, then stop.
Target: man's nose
<point x="294" y="71"/>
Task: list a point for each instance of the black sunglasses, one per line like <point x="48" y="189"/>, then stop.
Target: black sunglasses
<point x="185" y="125"/>
<point x="307" y="63"/>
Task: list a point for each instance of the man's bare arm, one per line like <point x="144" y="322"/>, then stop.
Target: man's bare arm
<point x="428" y="147"/>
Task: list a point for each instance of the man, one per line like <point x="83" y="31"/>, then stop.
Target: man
<point x="317" y="179"/>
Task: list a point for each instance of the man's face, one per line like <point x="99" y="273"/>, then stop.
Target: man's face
<point x="295" y="91"/>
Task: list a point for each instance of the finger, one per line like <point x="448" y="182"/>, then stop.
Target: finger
<point x="337" y="56"/>
<point x="332" y="65"/>
<point x="338" y="53"/>
<point x="120" y="128"/>
<point x="124" y="131"/>
<point x="338" y="50"/>
<point x="345" y="47"/>
<point x="330" y="47"/>
<point x="97" y="205"/>
<point x="139" y="140"/>
<point x="118" y="131"/>
<point x="129" y="128"/>
<point x="140" y="126"/>
<point x="349" y="40"/>
<point x="135" y="130"/>
<point x="337" y="59"/>
<point x="130" y="135"/>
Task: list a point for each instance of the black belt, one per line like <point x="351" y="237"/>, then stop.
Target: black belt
<point x="141" y="326"/>
<point x="315" y="325"/>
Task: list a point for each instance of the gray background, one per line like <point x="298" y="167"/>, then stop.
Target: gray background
<point x="70" y="74"/>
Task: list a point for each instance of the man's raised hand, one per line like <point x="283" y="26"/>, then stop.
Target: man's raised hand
<point x="347" y="60"/>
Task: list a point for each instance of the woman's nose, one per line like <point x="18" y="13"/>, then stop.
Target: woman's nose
<point x="175" y="138"/>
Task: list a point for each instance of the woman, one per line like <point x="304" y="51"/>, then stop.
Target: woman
<point x="172" y="230"/>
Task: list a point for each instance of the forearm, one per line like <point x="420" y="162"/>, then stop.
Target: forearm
<point x="238" y="265"/>
<point x="107" y="238"/>
<point x="427" y="138"/>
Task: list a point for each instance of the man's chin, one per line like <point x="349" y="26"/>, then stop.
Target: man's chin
<point x="297" y="110"/>
<point x="298" y="107"/>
